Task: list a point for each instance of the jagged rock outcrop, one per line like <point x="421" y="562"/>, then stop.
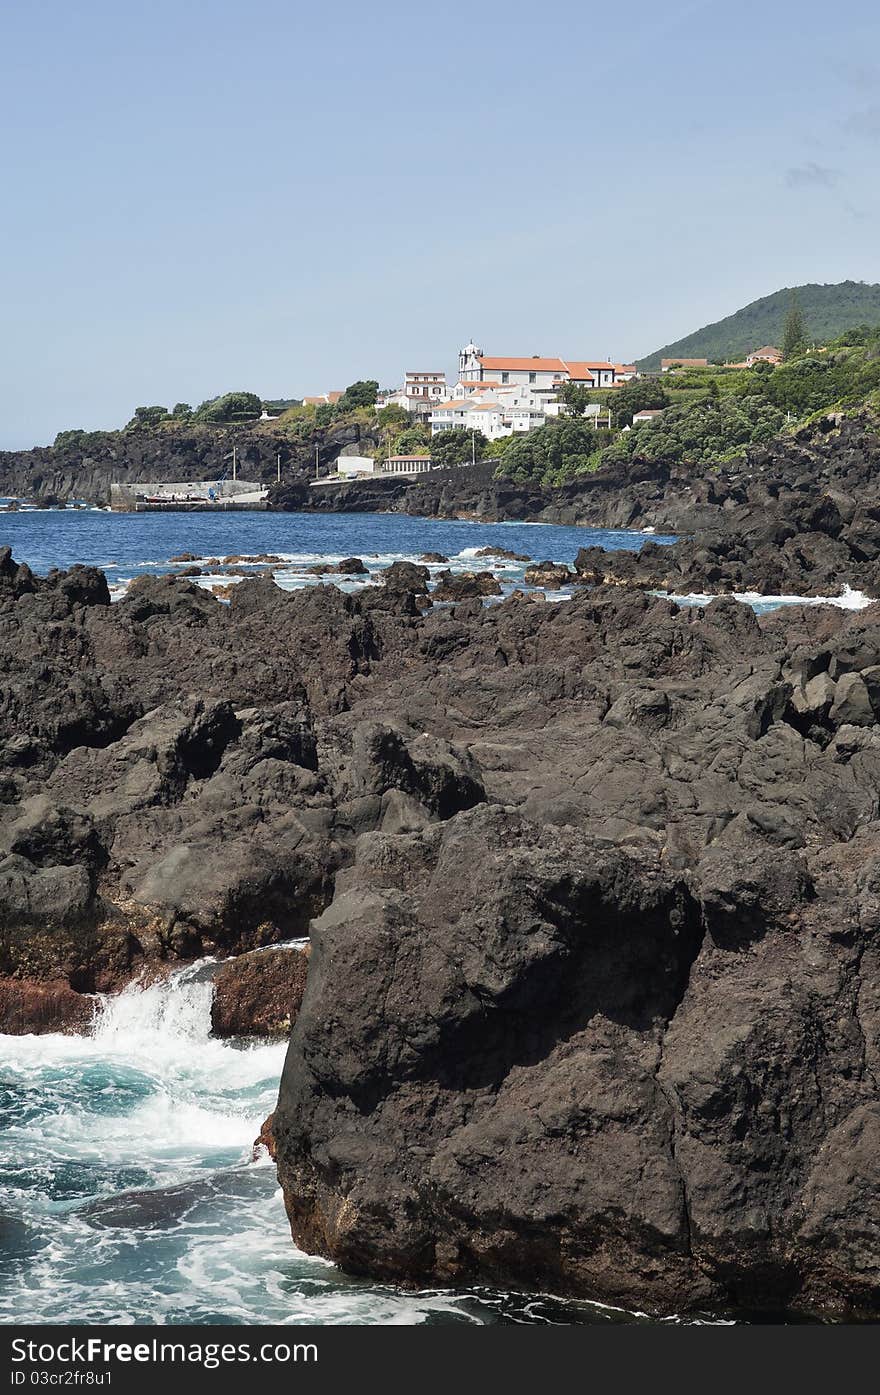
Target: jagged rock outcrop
<point x="140" y="821"/>
<point x="463" y="586"/>
<point x="550" y="575"/>
<point x="607" y="1033"/>
<point x="594" y="997"/>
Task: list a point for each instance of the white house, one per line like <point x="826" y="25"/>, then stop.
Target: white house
<point x="500" y="411"/>
<point x="476" y="367"/>
<point x="649" y="414"/>
<point x="352" y="466"/>
<point x="422" y="390"/>
<point x="419" y="393"/>
<point x="406" y="465"/>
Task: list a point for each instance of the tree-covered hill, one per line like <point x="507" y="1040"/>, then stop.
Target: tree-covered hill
<point x="827" y="309"/>
<point x="712" y="416"/>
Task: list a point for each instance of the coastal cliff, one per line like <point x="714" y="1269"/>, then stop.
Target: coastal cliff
<point x="85" y="466"/>
<point x="822" y="478"/>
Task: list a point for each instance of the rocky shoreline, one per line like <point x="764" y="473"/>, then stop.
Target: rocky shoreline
<point x="593" y="1001"/>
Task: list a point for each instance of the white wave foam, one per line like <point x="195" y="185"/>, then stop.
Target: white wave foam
<point x="847" y="600"/>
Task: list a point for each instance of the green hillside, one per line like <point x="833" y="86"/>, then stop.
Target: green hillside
<point x="828" y="311"/>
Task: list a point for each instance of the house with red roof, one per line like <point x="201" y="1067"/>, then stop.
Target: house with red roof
<point x="538" y="372"/>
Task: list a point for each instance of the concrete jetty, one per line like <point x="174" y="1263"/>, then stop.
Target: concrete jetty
<point x="202" y="496"/>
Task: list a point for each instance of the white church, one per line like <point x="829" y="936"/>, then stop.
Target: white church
<point x="476" y="367"/>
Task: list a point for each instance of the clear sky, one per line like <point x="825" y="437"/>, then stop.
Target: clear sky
<point x="201" y="195"/>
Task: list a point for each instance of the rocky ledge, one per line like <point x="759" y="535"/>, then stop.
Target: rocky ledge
<point x="593" y="1003"/>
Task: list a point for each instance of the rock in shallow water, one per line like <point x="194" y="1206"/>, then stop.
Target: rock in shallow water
<point x="259" y="994"/>
<point x="32" y="1006"/>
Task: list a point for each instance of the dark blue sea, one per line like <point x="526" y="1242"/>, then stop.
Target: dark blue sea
<point x="126" y="545"/>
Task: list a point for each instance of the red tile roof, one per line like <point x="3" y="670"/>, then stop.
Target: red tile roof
<point x="524" y="365"/>
<point x="584" y="371"/>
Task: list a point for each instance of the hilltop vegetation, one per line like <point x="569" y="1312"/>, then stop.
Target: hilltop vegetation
<point x="827" y="310"/>
<point x="714" y="416"/>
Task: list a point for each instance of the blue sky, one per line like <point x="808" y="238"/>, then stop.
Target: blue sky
<point x="284" y="197"/>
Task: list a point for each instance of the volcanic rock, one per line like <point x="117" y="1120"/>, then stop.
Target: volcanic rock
<point x="504" y="553"/>
<point x="550" y="575"/>
<point x="594" y="891"/>
<point x="405" y="576"/>
<point x="258" y="994"/>
<point x="33" y="1006"/>
<point x="460" y="586"/>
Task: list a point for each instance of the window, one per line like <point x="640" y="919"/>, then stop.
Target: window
<point x="505" y="377"/>
<point x="533" y="377"/>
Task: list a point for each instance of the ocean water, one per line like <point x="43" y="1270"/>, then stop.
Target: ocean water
<point x="129" y="545"/>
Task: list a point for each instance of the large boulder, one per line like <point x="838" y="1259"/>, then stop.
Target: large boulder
<point x="462" y="586"/>
<point x="550" y="575"/>
<point x="534" y="1060"/>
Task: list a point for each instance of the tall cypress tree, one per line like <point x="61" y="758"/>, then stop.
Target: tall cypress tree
<point x="794" y="335"/>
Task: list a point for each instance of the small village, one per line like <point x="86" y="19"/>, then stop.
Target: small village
<point x="494" y="398"/>
<point x="501" y="396"/>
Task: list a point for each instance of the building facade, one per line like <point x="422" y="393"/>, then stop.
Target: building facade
<point x="501" y="411"/>
<point x="406" y="465"/>
<point x="536" y="372"/>
<point x="353" y="466"/>
<point x="420" y="392"/>
<point x="424" y="389"/>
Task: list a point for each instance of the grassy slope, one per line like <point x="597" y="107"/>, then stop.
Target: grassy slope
<point x="828" y="310"/>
